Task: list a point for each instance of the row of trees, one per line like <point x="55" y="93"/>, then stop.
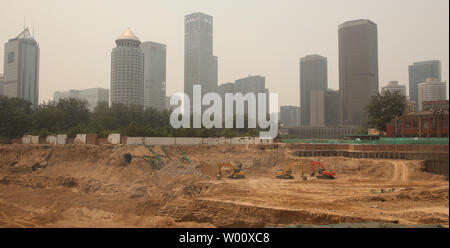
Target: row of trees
<point x="72" y="116"/>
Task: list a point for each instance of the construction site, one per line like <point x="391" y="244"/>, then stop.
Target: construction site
<point x="223" y="185"/>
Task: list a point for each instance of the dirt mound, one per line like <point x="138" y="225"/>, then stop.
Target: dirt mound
<point x="175" y="186"/>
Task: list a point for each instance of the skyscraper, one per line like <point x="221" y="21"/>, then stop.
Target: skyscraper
<point x="418" y="73"/>
<point x="289" y="116"/>
<point x="127" y="70"/>
<point x="200" y="65"/>
<point x="313" y="76"/>
<point x="253" y="84"/>
<point x="21" y="68"/>
<point x="431" y="90"/>
<point x="325" y="108"/>
<point x="154" y="75"/>
<point x="358" y="68"/>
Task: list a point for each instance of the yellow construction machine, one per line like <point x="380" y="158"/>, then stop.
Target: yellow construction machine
<point x="287" y="173"/>
<point x="236" y="171"/>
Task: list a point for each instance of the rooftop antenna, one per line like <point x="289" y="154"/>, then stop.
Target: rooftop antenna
<point x="23" y="22"/>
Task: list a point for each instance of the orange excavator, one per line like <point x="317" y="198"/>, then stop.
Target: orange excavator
<point x="236" y="171"/>
<point x="323" y="173"/>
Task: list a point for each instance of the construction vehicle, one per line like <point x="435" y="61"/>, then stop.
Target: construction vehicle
<point x="287" y="173"/>
<point x="236" y="171"/>
<point x="323" y="173"/>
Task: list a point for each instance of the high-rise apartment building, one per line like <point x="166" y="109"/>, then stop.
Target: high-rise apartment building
<point x="21" y="68"/>
<point x="200" y="65"/>
<point x="127" y="70"/>
<point x="93" y="96"/>
<point x="313" y="76"/>
<point x="358" y="68"/>
<point x="431" y="90"/>
<point x="419" y="72"/>
<point x="154" y="75"/>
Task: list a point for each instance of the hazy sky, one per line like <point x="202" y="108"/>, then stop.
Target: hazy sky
<point x="258" y="37"/>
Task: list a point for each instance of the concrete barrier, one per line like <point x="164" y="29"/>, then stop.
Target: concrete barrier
<point x="229" y="141"/>
<point x="35" y="140"/>
<point x="211" y="141"/>
<point x="188" y="141"/>
<point x="222" y="140"/>
<point x="114" y="138"/>
<point x="148" y="141"/>
<point x="265" y="141"/>
<point x="80" y="139"/>
<point x="51" y="139"/>
<point x="135" y="141"/>
<point x="249" y="140"/>
<point x="26" y="139"/>
<point x="61" y="139"/>
<point x="238" y="141"/>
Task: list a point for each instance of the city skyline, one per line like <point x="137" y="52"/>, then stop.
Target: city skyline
<point x="235" y="61"/>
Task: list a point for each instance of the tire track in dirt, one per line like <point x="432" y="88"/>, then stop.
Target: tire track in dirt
<point x="400" y="171"/>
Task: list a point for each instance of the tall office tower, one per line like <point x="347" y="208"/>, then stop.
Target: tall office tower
<point x="431" y="90"/>
<point x="394" y="86"/>
<point x="313" y="76"/>
<point x="200" y="65"/>
<point x="127" y="70"/>
<point x="93" y="96"/>
<point x="289" y="116"/>
<point x="21" y="68"/>
<point x="418" y="73"/>
<point x="358" y="68"/>
<point x="325" y="108"/>
<point x="252" y="84"/>
<point x="154" y="75"/>
<point x="226" y="88"/>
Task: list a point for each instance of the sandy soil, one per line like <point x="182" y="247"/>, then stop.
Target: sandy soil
<point x="93" y="186"/>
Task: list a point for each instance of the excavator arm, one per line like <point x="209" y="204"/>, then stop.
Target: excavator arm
<point x="236" y="173"/>
<point x="323" y="173"/>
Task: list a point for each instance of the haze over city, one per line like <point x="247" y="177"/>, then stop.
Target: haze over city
<point x="250" y="37"/>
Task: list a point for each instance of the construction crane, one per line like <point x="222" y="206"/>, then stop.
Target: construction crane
<point x="236" y="171"/>
<point x="287" y="173"/>
<point x="323" y="173"/>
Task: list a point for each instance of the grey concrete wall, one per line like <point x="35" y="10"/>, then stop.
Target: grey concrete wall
<point x="61" y="139"/>
<point x="80" y="139"/>
<point x="51" y="139"/>
<point x="35" y="140"/>
<point x="114" y="138"/>
<point x="210" y="141"/>
<point x="159" y="141"/>
<point x="188" y="141"/>
<point x="26" y="139"/>
<point x="135" y="141"/>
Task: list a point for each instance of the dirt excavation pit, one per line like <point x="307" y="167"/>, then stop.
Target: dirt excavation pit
<point x="176" y="186"/>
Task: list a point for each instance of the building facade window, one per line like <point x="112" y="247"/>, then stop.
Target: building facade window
<point x="11" y="56"/>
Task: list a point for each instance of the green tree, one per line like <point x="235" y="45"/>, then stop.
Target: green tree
<point x="15" y="117"/>
<point x="383" y="108"/>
